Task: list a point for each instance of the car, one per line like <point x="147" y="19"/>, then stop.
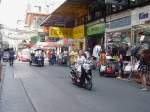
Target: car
<point x="24" y="55"/>
<point x="5" y="56"/>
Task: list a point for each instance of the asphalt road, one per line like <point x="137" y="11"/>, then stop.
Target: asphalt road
<point x="49" y="89"/>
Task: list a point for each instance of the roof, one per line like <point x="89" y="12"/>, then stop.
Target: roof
<point x="69" y="10"/>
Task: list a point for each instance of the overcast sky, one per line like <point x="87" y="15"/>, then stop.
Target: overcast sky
<point x="13" y="10"/>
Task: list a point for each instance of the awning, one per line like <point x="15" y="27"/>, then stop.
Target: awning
<point x="68" y="11"/>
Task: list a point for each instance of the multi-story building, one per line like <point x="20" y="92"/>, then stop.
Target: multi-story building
<point x="35" y="14"/>
<point x="67" y="24"/>
<point x="100" y="18"/>
<point x="127" y="25"/>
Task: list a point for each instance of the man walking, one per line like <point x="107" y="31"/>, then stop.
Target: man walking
<point x="11" y="56"/>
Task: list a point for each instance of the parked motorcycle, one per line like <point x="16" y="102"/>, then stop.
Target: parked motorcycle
<point x="76" y="76"/>
<point x="110" y="68"/>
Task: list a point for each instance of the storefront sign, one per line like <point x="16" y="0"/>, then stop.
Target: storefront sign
<point x="78" y="32"/>
<point x="143" y="15"/>
<point x="122" y="22"/>
<point x="59" y="32"/>
<point x="140" y="15"/>
<point x="95" y="28"/>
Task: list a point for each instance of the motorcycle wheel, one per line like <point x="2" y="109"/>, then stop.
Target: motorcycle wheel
<point x="74" y="82"/>
<point x="89" y="85"/>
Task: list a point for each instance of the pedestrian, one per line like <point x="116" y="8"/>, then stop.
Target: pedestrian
<point x="96" y="51"/>
<point x="144" y="67"/>
<point x="49" y="54"/>
<point x="102" y="57"/>
<point x="11" y="56"/>
<point x="65" y="57"/>
<point x="120" y="66"/>
<point x="73" y="57"/>
<point x="0" y="55"/>
<point x="53" y="59"/>
<point x="128" y="54"/>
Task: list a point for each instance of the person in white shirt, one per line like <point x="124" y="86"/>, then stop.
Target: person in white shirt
<point x="96" y="51"/>
<point x="80" y="60"/>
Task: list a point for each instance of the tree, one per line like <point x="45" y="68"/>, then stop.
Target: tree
<point x="34" y="39"/>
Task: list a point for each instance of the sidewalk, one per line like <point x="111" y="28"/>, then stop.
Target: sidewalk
<point x="13" y="97"/>
<point x="2" y="75"/>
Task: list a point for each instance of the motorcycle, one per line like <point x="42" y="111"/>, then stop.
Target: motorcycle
<point x="109" y="68"/>
<point x="76" y="76"/>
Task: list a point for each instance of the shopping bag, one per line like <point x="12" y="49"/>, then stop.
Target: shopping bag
<point x="103" y="68"/>
<point x="136" y="65"/>
<point x="128" y="67"/>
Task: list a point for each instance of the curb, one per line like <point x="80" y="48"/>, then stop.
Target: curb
<point x="2" y="76"/>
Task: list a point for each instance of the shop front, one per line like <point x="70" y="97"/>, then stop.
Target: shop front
<point x="95" y="34"/>
<point x="73" y="38"/>
<point x="78" y="37"/>
<point x="141" y="24"/>
<point x="118" y="29"/>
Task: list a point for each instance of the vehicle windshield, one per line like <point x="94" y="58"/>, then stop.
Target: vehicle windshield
<point x="38" y="53"/>
<point x="25" y="53"/>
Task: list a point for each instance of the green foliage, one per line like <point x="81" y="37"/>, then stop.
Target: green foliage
<point x="34" y="39"/>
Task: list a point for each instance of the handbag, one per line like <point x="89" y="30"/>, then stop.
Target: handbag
<point x="102" y="68"/>
<point x="109" y="70"/>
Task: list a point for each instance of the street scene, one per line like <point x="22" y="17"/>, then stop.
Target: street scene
<point x="74" y="55"/>
<point x="34" y="89"/>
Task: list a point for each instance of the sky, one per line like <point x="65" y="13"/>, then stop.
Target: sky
<point x="13" y="10"/>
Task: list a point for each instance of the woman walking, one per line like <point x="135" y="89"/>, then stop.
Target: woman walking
<point x="143" y="67"/>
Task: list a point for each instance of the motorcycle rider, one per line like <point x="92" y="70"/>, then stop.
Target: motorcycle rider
<point x="79" y="62"/>
<point x="82" y="66"/>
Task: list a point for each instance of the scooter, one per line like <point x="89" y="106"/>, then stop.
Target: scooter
<point x="76" y="76"/>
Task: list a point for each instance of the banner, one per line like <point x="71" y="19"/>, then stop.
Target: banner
<point x="95" y="28"/>
<point x="59" y="32"/>
<point x="78" y="32"/>
<point x="74" y="33"/>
